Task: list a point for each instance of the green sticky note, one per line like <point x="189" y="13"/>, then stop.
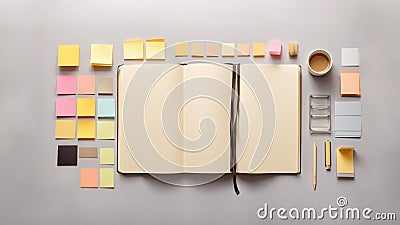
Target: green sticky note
<point x="106" y="156"/>
<point x="107" y="177"/>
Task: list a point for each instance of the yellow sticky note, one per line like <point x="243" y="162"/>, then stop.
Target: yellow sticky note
<point x="86" y="129"/>
<point x="107" y="177"/>
<point x="65" y="129"/>
<point x="101" y="55"/>
<point x="86" y="107"/>
<point x="133" y="49"/>
<point x="181" y="49"/>
<point x="68" y="55"/>
<point x="155" y="49"/>
<point x="105" y="129"/>
<point x="345" y="161"/>
<point x="258" y="49"/>
<point x="106" y="156"/>
<point x="228" y="49"/>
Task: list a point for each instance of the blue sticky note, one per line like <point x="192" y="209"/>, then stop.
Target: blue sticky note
<point x="106" y="108"/>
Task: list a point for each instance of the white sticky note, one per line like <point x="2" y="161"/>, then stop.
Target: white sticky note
<point x="350" y="57"/>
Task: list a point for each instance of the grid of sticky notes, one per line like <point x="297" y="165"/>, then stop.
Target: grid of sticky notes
<point x="229" y="49"/>
<point x="93" y="177"/>
<point x="151" y="49"/>
<point x="77" y="107"/>
<point x="90" y="177"/>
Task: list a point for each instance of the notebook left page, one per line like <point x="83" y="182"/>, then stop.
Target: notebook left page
<point x="149" y="132"/>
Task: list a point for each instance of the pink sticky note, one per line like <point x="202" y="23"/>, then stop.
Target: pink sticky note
<point x="66" y="85"/>
<point x="275" y="48"/>
<point x="65" y="107"/>
<point x="86" y="84"/>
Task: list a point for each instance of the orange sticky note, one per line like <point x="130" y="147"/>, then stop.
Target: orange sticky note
<point x="243" y="49"/>
<point x="89" y="177"/>
<point x="350" y="83"/>
<point x="86" y="85"/>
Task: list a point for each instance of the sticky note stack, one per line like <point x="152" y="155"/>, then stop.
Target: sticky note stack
<point x="101" y="55"/>
<point x="68" y="55"/>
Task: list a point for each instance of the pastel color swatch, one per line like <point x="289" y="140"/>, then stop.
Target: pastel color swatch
<point x="350" y="83"/>
<point x="88" y="152"/>
<point x="258" y="49"/>
<point x="197" y="49"/>
<point x="86" y="107"/>
<point x="181" y="49"/>
<point x="89" y="178"/>
<point x="86" y="129"/>
<point x="68" y="55"/>
<point x="65" y="129"/>
<point x="106" y="108"/>
<point x="243" y="49"/>
<point x="106" y="156"/>
<point x="155" y="49"/>
<point x="105" y="85"/>
<point x="228" y="49"/>
<point x="105" y="130"/>
<point x="212" y="49"/>
<point x="101" y="55"/>
<point x="65" y="107"/>
<point x="86" y="85"/>
<point x="275" y="48"/>
<point x="66" y="85"/>
<point x="107" y="177"/>
<point x="133" y="49"/>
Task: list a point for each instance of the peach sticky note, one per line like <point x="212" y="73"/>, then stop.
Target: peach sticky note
<point x="105" y="130"/>
<point x="101" y="55"/>
<point x="350" y="83"/>
<point x="243" y="49"/>
<point x="86" y="129"/>
<point x="228" y="49"/>
<point x="181" y="49"/>
<point x="68" y="55"/>
<point x="89" y="177"/>
<point x="86" y="107"/>
<point x="105" y="85"/>
<point x="155" y="49"/>
<point x="197" y="49"/>
<point x="258" y="49"/>
<point x="65" y="129"/>
<point x="65" y="107"/>
<point x="106" y="156"/>
<point x="212" y="49"/>
<point x="107" y="177"/>
<point x="86" y="85"/>
<point x="66" y="85"/>
<point x="275" y="48"/>
<point x="133" y="49"/>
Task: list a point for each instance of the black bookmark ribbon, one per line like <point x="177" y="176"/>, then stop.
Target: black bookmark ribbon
<point x="234" y="119"/>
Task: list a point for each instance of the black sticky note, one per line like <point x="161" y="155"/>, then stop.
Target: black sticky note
<point x="67" y="155"/>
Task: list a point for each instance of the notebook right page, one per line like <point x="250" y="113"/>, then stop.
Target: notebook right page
<point x="269" y="119"/>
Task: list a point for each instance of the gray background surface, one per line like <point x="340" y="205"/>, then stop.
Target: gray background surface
<point x="34" y="191"/>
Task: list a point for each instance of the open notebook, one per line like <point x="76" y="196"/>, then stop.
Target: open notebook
<point x="176" y="118"/>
